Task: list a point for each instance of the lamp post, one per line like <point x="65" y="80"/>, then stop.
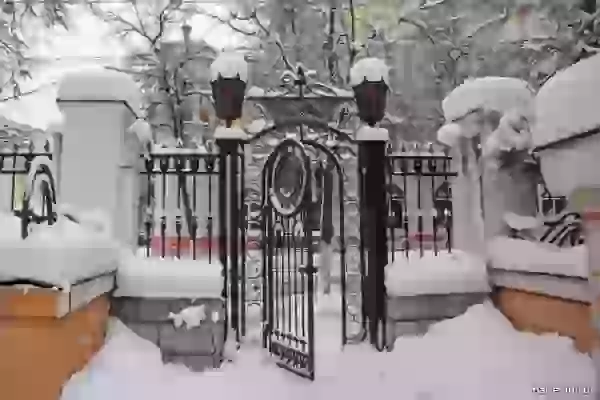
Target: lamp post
<point x="229" y="74"/>
<point x="369" y="80"/>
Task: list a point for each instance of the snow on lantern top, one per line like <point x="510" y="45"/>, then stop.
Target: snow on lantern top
<point x="97" y="83"/>
<point x="369" y="80"/>
<point x="369" y="69"/>
<point x="229" y="65"/>
<point x="566" y="105"/>
<point x="490" y="93"/>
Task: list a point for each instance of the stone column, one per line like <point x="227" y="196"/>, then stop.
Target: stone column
<point x="511" y="188"/>
<point x="99" y="161"/>
<point x="467" y="212"/>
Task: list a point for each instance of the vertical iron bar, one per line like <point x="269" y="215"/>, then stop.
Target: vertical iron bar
<point x="209" y="222"/>
<point x="242" y="228"/>
<point x="223" y="232"/>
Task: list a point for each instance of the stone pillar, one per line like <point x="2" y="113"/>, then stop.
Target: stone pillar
<point x="99" y="161"/>
<point x="467" y="213"/>
<point x="511" y="188"/>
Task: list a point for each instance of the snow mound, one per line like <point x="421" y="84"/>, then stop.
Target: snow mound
<point x="139" y="276"/>
<point x="61" y="254"/>
<point x="442" y="273"/>
<point x="190" y="317"/>
<point x="472" y="357"/>
<point x="97" y="83"/>
<point x="482" y="319"/>
<point x="490" y="93"/>
<point x="369" y="69"/>
<point x="142" y="130"/>
<point x="229" y="65"/>
<point x="449" y="134"/>
<point x="529" y="256"/>
<point x="566" y="104"/>
<point x="512" y="133"/>
<point x="522" y="222"/>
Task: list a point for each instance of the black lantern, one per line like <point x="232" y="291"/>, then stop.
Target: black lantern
<point x="228" y="94"/>
<point x="371" y="99"/>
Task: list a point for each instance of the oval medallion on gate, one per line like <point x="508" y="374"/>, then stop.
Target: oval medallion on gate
<point x="289" y="177"/>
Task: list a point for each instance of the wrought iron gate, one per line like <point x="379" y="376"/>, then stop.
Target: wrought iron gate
<point x="292" y="224"/>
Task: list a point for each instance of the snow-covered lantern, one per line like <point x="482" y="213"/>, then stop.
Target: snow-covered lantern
<point x="566" y="134"/>
<point x="369" y="78"/>
<point x="229" y="75"/>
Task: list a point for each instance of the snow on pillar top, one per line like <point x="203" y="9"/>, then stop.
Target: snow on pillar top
<point x="100" y="84"/>
<point x="567" y="104"/>
<point x="229" y="65"/>
<point x="223" y="132"/>
<point x="490" y="93"/>
<point x="372" y="134"/>
<point x="369" y="69"/>
<point x="510" y="97"/>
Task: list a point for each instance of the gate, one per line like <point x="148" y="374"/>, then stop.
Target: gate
<point x="296" y="219"/>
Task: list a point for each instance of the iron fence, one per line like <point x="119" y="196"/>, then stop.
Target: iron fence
<point x="420" y="200"/>
<point x="179" y="205"/>
<point x="191" y="208"/>
<point x="30" y="183"/>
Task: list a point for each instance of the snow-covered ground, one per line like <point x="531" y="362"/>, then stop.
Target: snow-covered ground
<point x="477" y="356"/>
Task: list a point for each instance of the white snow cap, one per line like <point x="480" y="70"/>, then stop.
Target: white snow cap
<point x="97" y="83"/>
<point x="223" y="132"/>
<point x="229" y="65"/>
<point x="568" y="103"/>
<point x="513" y="133"/>
<point x="370" y="69"/>
<point x="142" y="129"/>
<point x="449" y="134"/>
<point x="372" y="134"/>
<point x="491" y="93"/>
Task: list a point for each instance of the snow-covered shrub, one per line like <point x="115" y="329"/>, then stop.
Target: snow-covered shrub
<point x="497" y="109"/>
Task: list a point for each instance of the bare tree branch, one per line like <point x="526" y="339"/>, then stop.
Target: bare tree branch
<point x="422" y="28"/>
<point x="253" y="17"/>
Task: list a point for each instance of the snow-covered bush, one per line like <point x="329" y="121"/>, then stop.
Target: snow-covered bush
<point x="497" y="109"/>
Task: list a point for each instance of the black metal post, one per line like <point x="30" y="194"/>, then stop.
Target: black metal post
<point x="230" y="226"/>
<point x="372" y="163"/>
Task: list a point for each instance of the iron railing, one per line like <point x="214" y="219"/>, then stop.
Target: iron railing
<point x="33" y="204"/>
<point x="420" y="200"/>
<point x="179" y="206"/>
<point x="191" y="208"/>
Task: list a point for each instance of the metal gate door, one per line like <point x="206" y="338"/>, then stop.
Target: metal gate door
<point x="289" y="271"/>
